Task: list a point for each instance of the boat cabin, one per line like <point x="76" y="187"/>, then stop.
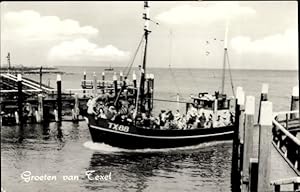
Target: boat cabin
<point x="210" y="102"/>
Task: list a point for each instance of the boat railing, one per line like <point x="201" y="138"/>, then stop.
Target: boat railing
<point x="285" y="129"/>
<point x="101" y="83"/>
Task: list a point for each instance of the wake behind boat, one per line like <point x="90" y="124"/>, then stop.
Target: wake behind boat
<point x="122" y="115"/>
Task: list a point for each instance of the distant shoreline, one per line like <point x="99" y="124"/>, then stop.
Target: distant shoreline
<point x="175" y="68"/>
<point x="31" y="70"/>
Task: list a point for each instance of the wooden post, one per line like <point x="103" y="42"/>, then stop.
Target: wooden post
<point x="58" y="99"/>
<point x="263" y="97"/>
<point x="103" y="82"/>
<point x="40" y="111"/>
<point x="240" y="95"/>
<point x="235" y="175"/>
<point x="295" y="102"/>
<point x="253" y="172"/>
<point x="265" y="143"/>
<point x="115" y="79"/>
<point x="41" y="76"/>
<point x="248" y="137"/>
<point x="20" y="106"/>
<point x="84" y="83"/>
<point x="95" y="86"/>
<point x="277" y="188"/>
<point x="20" y="98"/>
<point x="121" y="76"/>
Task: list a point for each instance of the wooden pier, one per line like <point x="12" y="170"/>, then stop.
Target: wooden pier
<point x="54" y="104"/>
<point x="266" y="154"/>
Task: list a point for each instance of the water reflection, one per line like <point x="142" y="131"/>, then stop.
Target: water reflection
<point x="139" y="170"/>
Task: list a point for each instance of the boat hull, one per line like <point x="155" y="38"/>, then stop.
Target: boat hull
<point x="131" y="137"/>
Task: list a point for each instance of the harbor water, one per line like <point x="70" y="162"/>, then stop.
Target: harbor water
<point x="205" y="167"/>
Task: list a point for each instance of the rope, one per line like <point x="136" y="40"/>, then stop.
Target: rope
<point x="135" y="54"/>
<point x="231" y="81"/>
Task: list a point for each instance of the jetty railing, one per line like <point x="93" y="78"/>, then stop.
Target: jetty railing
<point x="295" y="181"/>
<point x="285" y="138"/>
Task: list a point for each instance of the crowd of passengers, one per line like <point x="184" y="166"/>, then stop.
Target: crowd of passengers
<point x="194" y="118"/>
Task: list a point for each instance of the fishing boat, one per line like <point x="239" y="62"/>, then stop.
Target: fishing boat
<point x="109" y="68"/>
<point x="125" y="119"/>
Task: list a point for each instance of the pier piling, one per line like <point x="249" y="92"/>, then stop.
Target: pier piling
<point x="121" y="76"/>
<point x="115" y="79"/>
<point x="235" y="179"/>
<point x="58" y="100"/>
<point x="294" y="102"/>
<point x="263" y="97"/>
<point x="103" y="82"/>
<point x="84" y="83"/>
<point x="95" y="86"/>
<point x="41" y="76"/>
<point x="20" y="106"/>
<point x="265" y="143"/>
<point x="248" y="138"/>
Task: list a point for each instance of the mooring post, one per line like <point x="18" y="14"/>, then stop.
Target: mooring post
<point x="84" y="83"/>
<point x="20" y="106"/>
<point x="58" y="100"/>
<point x="41" y="76"/>
<point x="265" y="142"/>
<point x="295" y="102"/>
<point x="248" y="138"/>
<point x="115" y="79"/>
<point x="40" y="111"/>
<point x="95" y="86"/>
<point x="103" y="82"/>
<point x="235" y="175"/>
<point x="76" y="108"/>
<point x="253" y="173"/>
<point x="121" y="76"/>
<point x="240" y="95"/>
<point x="263" y="97"/>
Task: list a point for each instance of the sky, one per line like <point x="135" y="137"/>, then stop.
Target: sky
<point x="190" y="34"/>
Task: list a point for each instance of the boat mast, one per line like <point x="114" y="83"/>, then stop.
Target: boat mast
<point x="146" y="17"/>
<point x="225" y="55"/>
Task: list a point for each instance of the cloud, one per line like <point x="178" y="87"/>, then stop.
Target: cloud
<point x="207" y="13"/>
<point x="282" y="44"/>
<point x="82" y="49"/>
<point x="30" y="25"/>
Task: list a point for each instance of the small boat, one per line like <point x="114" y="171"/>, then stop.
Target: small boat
<point x="125" y="119"/>
<point x="109" y="69"/>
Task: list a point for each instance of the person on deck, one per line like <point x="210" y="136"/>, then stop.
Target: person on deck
<point x="162" y="118"/>
<point x="202" y="120"/>
<point x="209" y="123"/>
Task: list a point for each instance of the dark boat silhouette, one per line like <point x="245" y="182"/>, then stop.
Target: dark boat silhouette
<point x="131" y="133"/>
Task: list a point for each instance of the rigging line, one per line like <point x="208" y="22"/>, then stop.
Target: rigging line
<point x="129" y="69"/>
<point x="229" y="69"/>
<point x="135" y="54"/>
